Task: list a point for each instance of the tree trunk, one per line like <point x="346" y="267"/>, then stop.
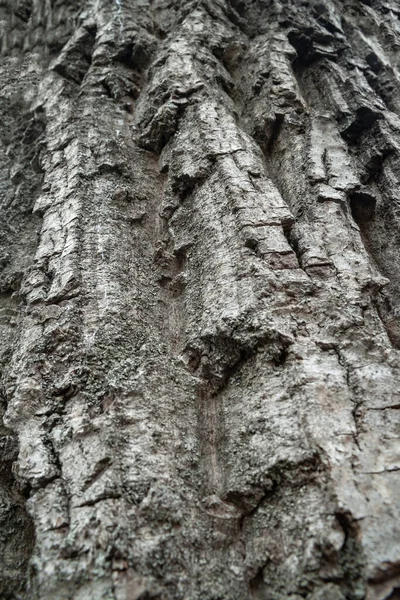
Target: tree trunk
<point x="200" y="300"/>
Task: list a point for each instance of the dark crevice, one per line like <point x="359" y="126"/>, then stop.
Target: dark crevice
<point x="276" y="128"/>
<point x="17" y="536"/>
<point x="362" y="206"/>
<point x="115" y="496"/>
<point x="382" y="80"/>
<point x="135" y="56"/>
<point x="362" y="121"/>
<point x="293" y="243"/>
<point x="185" y="185"/>
<point x="311" y="46"/>
<point x="280" y="359"/>
<point x="388" y="407"/>
<point x="75" y="59"/>
<point x="351" y="558"/>
<point x="257" y="584"/>
<point x="24" y="10"/>
<point x="374" y="165"/>
<point x="371" y="215"/>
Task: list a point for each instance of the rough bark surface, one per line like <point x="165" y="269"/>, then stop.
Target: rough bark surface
<point x="200" y="300"/>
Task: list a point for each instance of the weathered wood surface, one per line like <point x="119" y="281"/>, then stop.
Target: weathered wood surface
<point x="200" y="300"/>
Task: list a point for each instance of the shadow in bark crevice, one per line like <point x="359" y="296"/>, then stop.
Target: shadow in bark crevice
<point x="17" y="535"/>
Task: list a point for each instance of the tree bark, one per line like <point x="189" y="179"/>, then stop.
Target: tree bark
<point x="200" y="300"/>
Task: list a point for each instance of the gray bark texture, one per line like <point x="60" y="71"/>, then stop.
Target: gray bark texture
<point x="200" y="300"/>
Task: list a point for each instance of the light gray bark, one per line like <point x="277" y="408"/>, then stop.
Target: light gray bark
<point x="200" y="300"/>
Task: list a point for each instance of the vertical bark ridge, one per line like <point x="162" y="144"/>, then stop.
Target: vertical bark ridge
<point x="202" y="386"/>
<point x="333" y="167"/>
<point x="21" y="146"/>
<point x="352" y="268"/>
